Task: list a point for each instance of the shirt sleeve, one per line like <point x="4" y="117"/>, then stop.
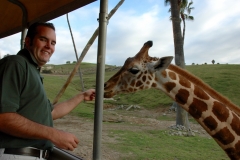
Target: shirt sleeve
<point x="12" y="82"/>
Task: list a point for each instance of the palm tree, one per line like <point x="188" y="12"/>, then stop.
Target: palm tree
<point x="182" y="115"/>
<point x="186" y="7"/>
<point x="184" y="12"/>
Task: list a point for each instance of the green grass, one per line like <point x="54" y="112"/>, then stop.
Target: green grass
<point x="158" y="145"/>
<point x="223" y="78"/>
<point x="84" y="110"/>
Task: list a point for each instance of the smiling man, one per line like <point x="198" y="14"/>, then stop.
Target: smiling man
<point x="26" y="114"/>
<point x="44" y="39"/>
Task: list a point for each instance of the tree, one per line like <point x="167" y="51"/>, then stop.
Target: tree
<point x="68" y="62"/>
<point x="186" y="7"/>
<point x="184" y="12"/>
<point x="213" y="61"/>
<point x="182" y="115"/>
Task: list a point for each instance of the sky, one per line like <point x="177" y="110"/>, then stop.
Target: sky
<point x="213" y="35"/>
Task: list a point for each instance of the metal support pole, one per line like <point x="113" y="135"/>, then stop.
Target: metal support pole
<point x="23" y="35"/>
<point x="24" y="20"/>
<point x="98" y="114"/>
<point x="75" y="49"/>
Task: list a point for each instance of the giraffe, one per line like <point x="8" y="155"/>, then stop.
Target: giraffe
<point x="215" y="113"/>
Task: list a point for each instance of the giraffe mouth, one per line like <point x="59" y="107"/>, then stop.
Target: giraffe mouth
<point x="109" y="94"/>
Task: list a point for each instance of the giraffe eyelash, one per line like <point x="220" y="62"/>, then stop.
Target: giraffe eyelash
<point x="133" y="70"/>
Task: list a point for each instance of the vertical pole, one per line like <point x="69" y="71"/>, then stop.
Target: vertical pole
<point x="23" y="35"/>
<point x="24" y="21"/>
<point x="75" y="49"/>
<point x="98" y="114"/>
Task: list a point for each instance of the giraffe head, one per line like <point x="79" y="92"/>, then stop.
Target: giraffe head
<point x="137" y="73"/>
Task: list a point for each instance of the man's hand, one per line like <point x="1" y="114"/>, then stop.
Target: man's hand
<point x="64" y="140"/>
<point x="89" y="95"/>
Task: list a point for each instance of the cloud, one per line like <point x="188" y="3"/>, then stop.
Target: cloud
<point x="10" y="45"/>
<point x="214" y="34"/>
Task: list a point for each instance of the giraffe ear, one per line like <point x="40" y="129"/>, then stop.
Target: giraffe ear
<point x="163" y="63"/>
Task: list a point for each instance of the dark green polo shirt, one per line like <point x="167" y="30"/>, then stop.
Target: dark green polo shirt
<point x="22" y="91"/>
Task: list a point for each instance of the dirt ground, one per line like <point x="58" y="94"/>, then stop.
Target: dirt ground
<point x="116" y="119"/>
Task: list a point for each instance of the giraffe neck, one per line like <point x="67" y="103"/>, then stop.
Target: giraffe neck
<point x="216" y="114"/>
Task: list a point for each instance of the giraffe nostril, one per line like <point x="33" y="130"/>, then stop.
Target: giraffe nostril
<point x="105" y="84"/>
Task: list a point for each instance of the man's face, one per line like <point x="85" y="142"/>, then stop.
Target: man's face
<point x="43" y="44"/>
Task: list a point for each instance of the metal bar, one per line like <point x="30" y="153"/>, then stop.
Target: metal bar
<point x="24" y="20"/>
<point x="98" y="114"/>
<point x="60" y="154"/>
<point x="75" y="50"/>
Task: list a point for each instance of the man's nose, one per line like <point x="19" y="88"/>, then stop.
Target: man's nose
<point x="48" y="45"/>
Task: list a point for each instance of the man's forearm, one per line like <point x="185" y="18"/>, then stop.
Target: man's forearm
<point x="62" y="109"/>
<point x="19" y="126"/>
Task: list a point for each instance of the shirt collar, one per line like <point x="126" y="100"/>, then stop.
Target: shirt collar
<point x="31" y="59"/>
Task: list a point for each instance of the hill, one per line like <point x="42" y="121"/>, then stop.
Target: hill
<point x="66" y="69"/>
<point x="223" y="78"/>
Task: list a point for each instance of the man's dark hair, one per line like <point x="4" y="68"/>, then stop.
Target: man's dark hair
<point x="32" y="30"/>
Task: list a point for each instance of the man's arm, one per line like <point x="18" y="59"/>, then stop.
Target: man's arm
<point x="19" y="126"/>
<point x="62" y="109"/>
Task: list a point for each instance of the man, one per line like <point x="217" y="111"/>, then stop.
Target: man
<point x="26" y="115"/>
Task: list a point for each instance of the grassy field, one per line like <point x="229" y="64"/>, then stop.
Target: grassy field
<point x="154" y="144"/>
<point x="158" y="145"/>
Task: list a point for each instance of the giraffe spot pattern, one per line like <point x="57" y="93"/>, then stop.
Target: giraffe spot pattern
<point x="147" y="82"/>
<point x="164" y="74"/>
<point x="149" y="77"/>
<point x="131" y="89"/>
<point x="182" y="96"/>
<point x="210" y="122"/>
<point x="197" y="107"/>
<point x="236" y="125"/>
<point x="220" y="111"/>
<point x="233" y="153"/>
<point x="144" y="78"/>
<point x="184" y="82"/>
<point x="224" y="136"/>
<point x="172" y="75"/>
<point x="237" y="146"/>
<point x="125" y="84"/>
<point x="139" y="83"/>
<point x="132" y="83"/>
<point x="140" y="75"/>
<point x="169" y="86"/>
<point x="151" y="74"/>
<point x="154" y="85"/>
<point x="200" y="93"/>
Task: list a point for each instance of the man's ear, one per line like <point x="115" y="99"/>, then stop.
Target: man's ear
<point x="27" y="42"/>
<point x="163" y="63"/>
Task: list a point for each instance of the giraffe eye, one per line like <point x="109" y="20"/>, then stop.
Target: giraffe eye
<point x="133" y="70"/>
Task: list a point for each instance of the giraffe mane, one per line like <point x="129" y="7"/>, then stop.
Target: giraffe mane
<point x="195" y="80"/>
